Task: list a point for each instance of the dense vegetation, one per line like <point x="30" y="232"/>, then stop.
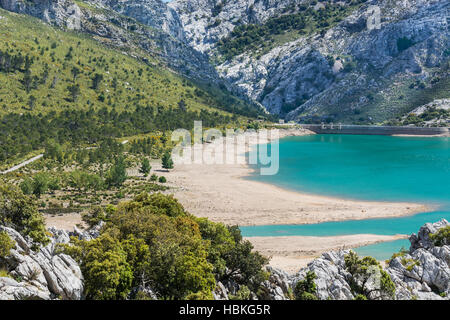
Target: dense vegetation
<point x="306" y="289"/>
<point x="296" y="22"/>
<point x="150" y="241"/>
<point x="20" y="212"/>
<point x="90" y="126"/>
<point x="44" y="69"/>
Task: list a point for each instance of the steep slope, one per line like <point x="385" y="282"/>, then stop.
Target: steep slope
<point x="146" y="25"/>
<point x="68" y="70"/>
<point x="67" y="86"/>
<point x="208" y="21"/>
<point x="328" y="60"/>
<point x="153" y="13"/>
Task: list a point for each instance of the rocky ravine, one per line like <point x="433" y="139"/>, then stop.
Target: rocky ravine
<point x="298" y="79"/>
<point x="46" y="274"/>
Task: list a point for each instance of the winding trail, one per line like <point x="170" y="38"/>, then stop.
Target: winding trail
<point x="23" y="164"/>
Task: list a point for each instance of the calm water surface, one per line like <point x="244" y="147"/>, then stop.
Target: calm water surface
<point x="364" y="167"/>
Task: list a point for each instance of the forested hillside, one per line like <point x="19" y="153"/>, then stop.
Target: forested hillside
<point x="64" y="85"/>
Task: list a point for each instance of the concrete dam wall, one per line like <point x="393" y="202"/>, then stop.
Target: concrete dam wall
<point x="375" y="130"/>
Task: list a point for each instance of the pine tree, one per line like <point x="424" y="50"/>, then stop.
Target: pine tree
<point x="167" y="162"/>
<point x="145" y="167"/>
<point x="118" y="173"/>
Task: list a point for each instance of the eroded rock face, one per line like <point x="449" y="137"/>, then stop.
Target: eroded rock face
<point x="64" y="13"/>
<point x="42" y="274"/>
<point x="298" y="79"/>
<point x="423" y="274"/>
<point x="422" y="239"/>
<point x="154" y="13"/>
<point x="332" y="278"/>
<point x="200" y="17"/>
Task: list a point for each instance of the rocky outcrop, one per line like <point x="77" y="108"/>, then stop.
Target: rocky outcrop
<point x="422" y="274"/>
<point x="153" y="13"/>
<point x="40" y="274"/>
<point x="440" y="118"/>
<point x="332" y="278"/>
<point x="276" y="287"/>
<point x="64" y="13"/>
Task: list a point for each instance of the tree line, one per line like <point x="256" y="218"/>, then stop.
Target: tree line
<point x="23" y="133"/>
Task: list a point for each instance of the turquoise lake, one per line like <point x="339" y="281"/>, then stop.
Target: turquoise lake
<point x="364" y="167"/>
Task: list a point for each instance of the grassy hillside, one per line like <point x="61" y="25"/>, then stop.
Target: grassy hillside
<point x="71" y="70"/>
<point x="66" y="86"/>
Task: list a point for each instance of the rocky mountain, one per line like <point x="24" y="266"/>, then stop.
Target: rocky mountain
<point x="436" y="113"/>
<point x="154" y="13"/>
<point x="353" y="61"/>
<point x="201" y="18"/>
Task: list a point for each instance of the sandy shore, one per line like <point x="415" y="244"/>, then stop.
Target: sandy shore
<point x="221" y="193"/>
<point x="294" y="252"/>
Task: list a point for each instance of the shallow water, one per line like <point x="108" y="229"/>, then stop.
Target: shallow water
<point x="364" y="167"/>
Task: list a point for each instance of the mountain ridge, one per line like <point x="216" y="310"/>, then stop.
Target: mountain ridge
<point x="340" y="70"/>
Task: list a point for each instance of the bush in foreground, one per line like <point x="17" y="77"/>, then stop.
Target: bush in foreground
<point x="153" y="242"/>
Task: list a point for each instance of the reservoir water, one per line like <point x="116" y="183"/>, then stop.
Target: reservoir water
<point x="382" y="168"/>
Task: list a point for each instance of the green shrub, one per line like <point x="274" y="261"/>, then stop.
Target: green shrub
<point x="153" y="240"/>
<point x="442" y="237"/>
<point x="27" y="186"/>
<point x="94" y="216"/>
<point x="306" y="289"/>
<point x="162" y="179"/>
<point x="243" y="293"/>
<point x="6" y="244"/>
<point x="401" y="253"/>
<point x="363" y="269"/>
<point x="201" y="295"/>
<point x="20" y="210"/>
<point x="4" y="274"/>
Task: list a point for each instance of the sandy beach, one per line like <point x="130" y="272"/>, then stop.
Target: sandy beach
<point x="221" y="193"/>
